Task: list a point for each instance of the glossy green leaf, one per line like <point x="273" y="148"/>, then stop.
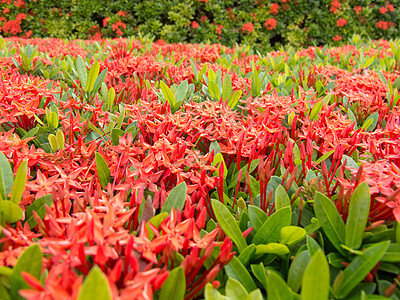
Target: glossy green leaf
<point x="6" y="177"/>
<point x="95" y="286"/>
<point x="234" y="290"/>
<point x="297" y="269"/>
<point x="370" y="125"/>
<point x="357" y="216"/>
<point x="103" y="172"/>
<point x="166" y="91"/>
<point x="228" y="224"/>
<point x="281" y="198"/>
<point x="39" y="207"/>
<point x="227" y="87"/>
<point x="315" y="111"/>
<point x="316" y="282"/>
<point x="181" y="91"/>
<point x="214" y="91"/>
<point x="312" y="245"/>
<point x="92" y="76"/>
<point x="323" y="157"/>
<point x="19" y="183"/>
<point x="360" y="267"/>
<point x="236" y="270"/>
<point x="9" y="212"/>
<point x="218" y="159"/>
<point x="115" y="134"/>
<point x="174" y="288"/>
<point x="176" y="198"/>
<point x="260" y="274"/>
<point x="271" y="229"/>
<point x="256" y="84"/>
<point x="255" y="295"/>
<point x="257" y="216"/>
<point x="291" y="235"/>
<point x="330" y="220"/>
<point x="99" y="80"/>
<point x="211" y="293"/>
<point x="277" y="288"/>
<point x="110" y="98"/>
<point x="82" y="71"/>
<point x="235" y="98"/>
<point x="30" y="261"/>
<point x="247" y="254"/>
<point x="272" y="248"/>
<point x="392" y="254"/>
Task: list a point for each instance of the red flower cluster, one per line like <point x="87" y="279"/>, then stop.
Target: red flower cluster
<point x="195" y="24"/>
<point x="249" y="27"/>
<point x="341" y="22"/>
<point x="116" y="27"/>
<point x="384" y="25"/>
<point x="271" y="23"/>
<point x="357" y="9"/>
<point x="335" y="5"/>
<point x="274" y="8"/>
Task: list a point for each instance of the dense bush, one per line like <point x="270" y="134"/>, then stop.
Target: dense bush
<point x="262" y="23"/>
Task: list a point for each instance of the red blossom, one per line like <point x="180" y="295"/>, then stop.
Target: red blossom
<point x="271" y="23"/>
<point x="341" y="22"/>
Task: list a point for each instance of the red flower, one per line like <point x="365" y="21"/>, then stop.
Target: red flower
<point x="384" y="25"/>
<point x="203" y="18"/>
<point x="390" y="7"/>
<point x="105" y="21"/>
<point x="249" y="27"/>
<point x="274" y="8"/>
<point x="195" y="24"/>
<point x="337" y="38"/>
<point x="383" y="10"/>
<point x="122" y="13"/>
<point x="335" y="5"/>
<point x="341" y="22"/>
<point x="6" y="11"/>
<point x="271" y="23"/>
<point x="219" y="29"/>
<point x="357" y="9"/>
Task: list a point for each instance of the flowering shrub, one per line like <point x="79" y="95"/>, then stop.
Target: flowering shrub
<point x="262" y="24"/>
<point x="139" y="170"/>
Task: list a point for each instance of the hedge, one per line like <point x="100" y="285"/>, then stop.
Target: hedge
<point x="260" y="23"/>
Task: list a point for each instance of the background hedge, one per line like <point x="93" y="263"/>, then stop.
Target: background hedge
<point x="261" y="23"/>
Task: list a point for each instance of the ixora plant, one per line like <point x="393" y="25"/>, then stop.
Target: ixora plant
<point x="139" y="170"/>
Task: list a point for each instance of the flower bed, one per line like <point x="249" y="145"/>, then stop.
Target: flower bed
<point x="139" y="170"/>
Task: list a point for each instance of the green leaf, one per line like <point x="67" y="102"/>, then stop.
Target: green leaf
<point x="211" y="293"/>
<point x="110" y="98"/>
<point x="235" y="98"/>
<point x="236" y="270"/>
<point x="95" y="286"/>
<point x="234" y="290"/>
<point x="276" y="287"/>
<point x="297" y="269"/>
<point x="360" y="267"/>
<point x="256" y="84"/>
<point x="53" y="142"/>
<point x="99" y="80"/>
<point x="174" y="288"/>
<point x="9" y="212"/>
<point x="357" y="216"/>
<point x="315" y="111"/>
<point x="271" y="229"/>
<point x="292" y="234"/>
<point x="315" y="283"/>
<point x="214" y="91"/>
<point x="167" y="93"/>
<point x="103" y="172"/>
<point x="257" y="216"/>
<point x="19" y="183"/>
<point x="176" y="198"/>
<point x="227" y="87"/>
<point x="82" y="71"/>
<point x="39" y="207"/>
<point x="93" y="73"/>
<point x="6" y="177"/>
<point x="247" y="254"/>
<point x="115" y="134"/>
<point x="370" y="122"/>
<point x="30" y="261"/>
<point x="382" y="78"/>
<point x="272" y="248"/>
<point x="218" y="159"/>
<point x="255" y="295"/>
<point x="181" y="91"/>
<point x="352" y="117"/>
<point x="259" y="272"/>
<point x="312" y="245"/>
<point x="323" y="157"/>
<point x="330" y="220"/>
<point x="281" y="198"/>
<point x="392" y="254"/>
<point x="228" y="224"/>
